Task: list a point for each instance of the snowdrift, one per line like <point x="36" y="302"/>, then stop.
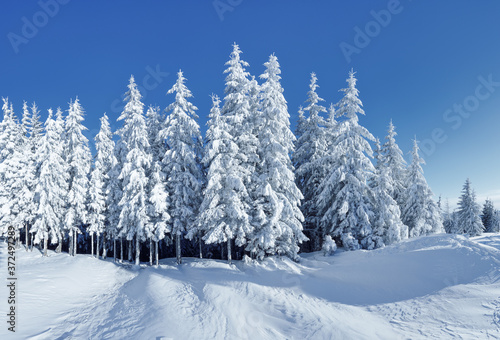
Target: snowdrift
<point x="439" y="286"/>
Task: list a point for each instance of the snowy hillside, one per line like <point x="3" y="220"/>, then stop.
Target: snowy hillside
<point x="439" y="286"/>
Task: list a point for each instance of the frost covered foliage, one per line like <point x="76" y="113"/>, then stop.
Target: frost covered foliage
<point x="311" y="169"/>
<point x="278" y="227"/>
<point x="346" y="200"/>
<point x="469" y="219"/>
<point x="136" y="163"/>
<point x="420" y="213"/>
<point x="181" y="161"/>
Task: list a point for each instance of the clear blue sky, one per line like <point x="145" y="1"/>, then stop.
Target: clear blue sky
<point x="416" y="65"/>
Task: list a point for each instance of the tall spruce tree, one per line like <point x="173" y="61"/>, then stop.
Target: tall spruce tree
<point x="280" y="229"/>
<point x="136" y="164"/>
<point x="223" y="213"/>
<point x="346" y="200"/>
<point x="310" y="150"/>
<point x="181" y="162"/>
<point x="393" y="161"/>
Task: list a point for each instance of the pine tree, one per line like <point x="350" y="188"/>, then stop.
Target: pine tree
<point x="280" y="229"/>
<point x="489" y="217"/>
<point x="158" y="214"/>
<point x="52" y="187"/>
<point x="181" y="161"/>
<point x="346" y="200"/>
<point x="78" y="159"/>
<point x="310" y="149"/>
<point x="223" y="213"/>
<point x="240" y="111"/>
<point x="420" y="213"/>
<point x="393" y="161"/>
<point x="136" y="164"/>
<point x="469" y="212"/>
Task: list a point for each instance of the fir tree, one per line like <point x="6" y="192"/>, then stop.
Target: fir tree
<point x="489" y="217"/>
<point x="280" y="229"/>
<point x="223" y="213"/>
<point x="420" y="213"/>
<point x="346" y="200"/>
<point x="393" y="161"/>
<point x="78" y="159"/>
<point x="181" y="161"/>
<point x="52" y="186"/>
<point x="136" y="164"/>
<point x="310" y="149"/>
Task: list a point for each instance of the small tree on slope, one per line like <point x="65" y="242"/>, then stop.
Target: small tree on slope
<point x="469" y="212"/>
<point x="420" y="213"/>
<point x="181" y="161"/>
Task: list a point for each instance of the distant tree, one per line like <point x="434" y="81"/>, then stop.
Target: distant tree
<point x="448" y="219"/>
<point x="310" y="171"/>
<point x="489" y="217"/>
<point x="420" y="213"/>
<point x="346" y="200"/>
<point x="181" y="162"/>
<point x="78" y="158"/>
<point x="279" y="228"/>
<point x="469" y="212"/>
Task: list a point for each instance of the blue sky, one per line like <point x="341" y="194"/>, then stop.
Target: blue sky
<point x="417" y="62"/>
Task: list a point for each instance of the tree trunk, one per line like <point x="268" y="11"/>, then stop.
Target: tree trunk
<point x="137" y="250"/>
<point x="59" y="246"/>
<point x="121" y="249"/>
<point x="92" y="243"/>
<point x="201" y="252"/>
<point x="150" y="252"/>
<point x="97" y="246"/>
<point x="156" y="252"/>
<point x="229" y="257"/>
<point x="178" y="248"/>
<point x="26" y="236"/>
<point x="114" y="249"/>
<point x="70" y="243"/>
<point x="32" y="239"/>
<point x="45" y="246"/>
<point x="75" y="248"/>
<point x="129" y="250"/>
<point x="104" y="246"/>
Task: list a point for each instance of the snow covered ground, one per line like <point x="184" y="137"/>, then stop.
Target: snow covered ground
<point x="439" y="286"/>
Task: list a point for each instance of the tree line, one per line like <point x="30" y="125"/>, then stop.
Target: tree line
<point x="251" y="187"/>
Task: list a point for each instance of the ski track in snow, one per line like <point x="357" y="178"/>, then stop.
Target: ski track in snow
<point x="438" y="286"/>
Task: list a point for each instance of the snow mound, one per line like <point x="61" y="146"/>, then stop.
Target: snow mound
<point x="437" y="286"/>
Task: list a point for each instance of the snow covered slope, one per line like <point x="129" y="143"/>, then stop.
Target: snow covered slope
<point x="439" y="286"/>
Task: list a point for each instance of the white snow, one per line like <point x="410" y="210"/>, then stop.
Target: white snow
<point x="440" y="286"/>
